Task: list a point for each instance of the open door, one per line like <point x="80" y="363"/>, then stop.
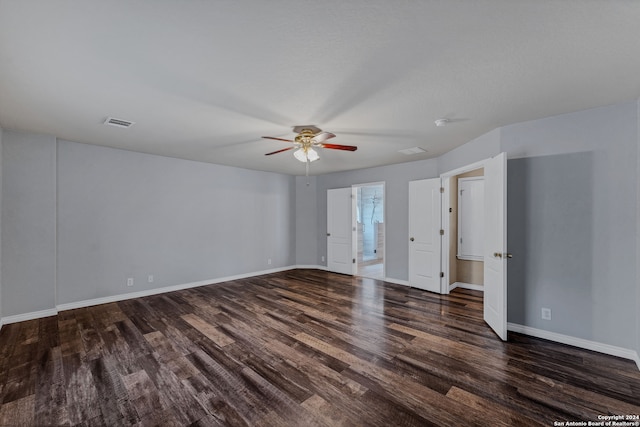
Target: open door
<point x="424" y="234"/>
<point x="339" y="231"/>
<point x="495" y="255"/>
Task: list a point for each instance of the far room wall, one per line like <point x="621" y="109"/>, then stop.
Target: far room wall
<point x="396" y="179"/>
<point x="79" y="220"/>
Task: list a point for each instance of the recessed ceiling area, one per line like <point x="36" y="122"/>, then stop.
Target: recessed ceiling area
<point x="205" y="80"/>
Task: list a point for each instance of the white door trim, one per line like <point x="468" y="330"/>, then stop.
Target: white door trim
<point x="446" y="226"/>
<point x="446" y="202"/>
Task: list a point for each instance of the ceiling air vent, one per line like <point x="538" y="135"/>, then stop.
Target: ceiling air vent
<point x="410" y="151"/>
<point x="112" y="121"/>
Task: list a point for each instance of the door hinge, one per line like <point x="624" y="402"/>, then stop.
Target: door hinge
<point x="442" y="232"/>
<point x="442" y="274"/>
<point x="354" y="260"/>
<point x="442" y="189"/>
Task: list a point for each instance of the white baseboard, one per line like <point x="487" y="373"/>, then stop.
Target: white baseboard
<point x="173" y="288"/>
<point x="625" y="353"/>
<point x="463" y="285"/>
<point x="29" y="316"/>
<point x="396" y="281"/>
<point x="122" y="297"/>
<point x="311" y="267"/>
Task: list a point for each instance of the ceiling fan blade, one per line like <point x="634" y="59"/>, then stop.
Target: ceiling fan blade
<point x="280" y="151"/>
<point x="277" y="139"/>
<point x="323" y="137"/>
<point x="339" y="147"/>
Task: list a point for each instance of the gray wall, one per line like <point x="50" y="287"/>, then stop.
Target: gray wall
<point x="306" y="221"/>
<point x="124" y="214"/>
<point x="550" y="233"/>
<point x="396" y="178"/>
<point x="573" y="221"/>
<point x="118" y="214"/>
<point x="1" y="227"/>
<point x="638" y="234"/>
<point x="28" y="222"/>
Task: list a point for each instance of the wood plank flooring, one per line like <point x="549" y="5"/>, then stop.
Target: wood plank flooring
<point x="299" y="348"/>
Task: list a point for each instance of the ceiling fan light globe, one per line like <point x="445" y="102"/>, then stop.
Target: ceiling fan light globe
<point x="312" y="155"/>
<point x="303" y="156"/>
<point x="299" y="154"/>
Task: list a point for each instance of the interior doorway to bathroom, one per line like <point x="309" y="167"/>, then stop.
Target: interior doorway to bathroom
<point x="370" y="231"/>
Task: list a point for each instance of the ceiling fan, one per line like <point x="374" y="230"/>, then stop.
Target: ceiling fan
<point x="308" y="138"/>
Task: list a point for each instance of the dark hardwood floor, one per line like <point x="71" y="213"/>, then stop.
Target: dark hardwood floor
<point x="299" y="348"/>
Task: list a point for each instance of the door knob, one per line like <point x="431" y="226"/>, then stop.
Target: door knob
<point x="411" y="238"/>
<point x="328" y="234"/>
<point x="508" y="255"/>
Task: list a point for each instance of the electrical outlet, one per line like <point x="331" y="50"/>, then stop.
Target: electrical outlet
<point x="269" y="261"/>
<point x="150" y="278"/>
<point x="546" y="313"/>
<point x="130" y="281"/>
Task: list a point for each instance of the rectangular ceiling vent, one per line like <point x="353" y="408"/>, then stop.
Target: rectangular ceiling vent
<point x="410" y="151"/>
<point x="112" y="121"/>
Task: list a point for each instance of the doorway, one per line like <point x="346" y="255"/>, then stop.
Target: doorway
<point x="466" y="226"/>
<point x="369" y="236"/>
<point x="494" y="239"/>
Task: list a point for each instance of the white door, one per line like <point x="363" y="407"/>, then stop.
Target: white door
<point x="339" y="229"/>
<point x="424" y="234"/>
<point x="495" y="254"/>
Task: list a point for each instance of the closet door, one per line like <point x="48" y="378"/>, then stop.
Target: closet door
<point x="424" y="234"/>
<point x="495" y="256"/>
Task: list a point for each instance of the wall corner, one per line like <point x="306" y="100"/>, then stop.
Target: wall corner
<point x="638" y="231"/>
<point x="1" y="228"/>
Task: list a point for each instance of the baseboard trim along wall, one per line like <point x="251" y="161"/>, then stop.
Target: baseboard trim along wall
<point x="526" y="330"/>
<point x="463" y="285"/>
<point x="311" y="267"/>
<point x="576" y="342"/>
<point x="396" y="281"/>
<point x="29" y="316"/>
<point x="122" y="297"/>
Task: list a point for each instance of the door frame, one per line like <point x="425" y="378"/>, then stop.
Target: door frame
<point x="354" y="223"/>
<point x="445" y="179"/>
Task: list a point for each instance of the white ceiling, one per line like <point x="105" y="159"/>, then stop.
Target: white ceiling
<point x="204" y="80"/>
